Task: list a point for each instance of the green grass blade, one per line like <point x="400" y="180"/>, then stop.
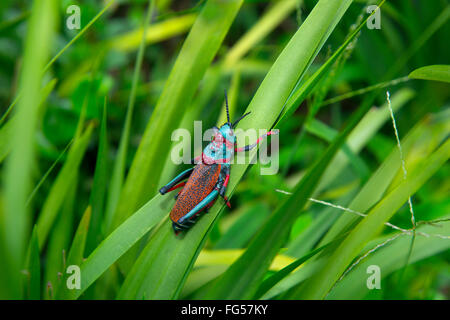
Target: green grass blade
<point x="198" y="50"/>
<point x="321" y="130"/>
<point x="50" y="169"/>
<point x="17" y="175"/>
<point x="302" y="91"/>
<point x="417" y="140"/>
<point x="6" y="131"/>
<point x="118" y="172"/>
<point x="435" y="73"/>
<point x="158" y="32"/>
<point x="79" y="34"/>
<point x="76" y="252"/>
<point x="232" y="95"/>
<point x="362" y="134"/>
<point x="8" y="110"/>
<point x="120" y="241"/>
<point x="97" y="198"/>
<point x="240" y="280"/>
<point x="59" y="241"/>
<point x="318" y="286"/>
<point x="32" y="276"/>
<point x="250" y="221"/>
<point x="61" y="186"/>
<point x="353" y="285"/>
<point x="60" y="53"/>
<point x="272" y="18"/>
<point x="365" y="90"/>
<point x="378" y="184"/>
<point x="77" y="249"/>
<point x="162" y="267"/>
<point x="199" y="278"/>
<point x="231" y="62"/>
<point x="268" y="283"/>
<point x="419" y="41"/>
<point x="309" y="238"/>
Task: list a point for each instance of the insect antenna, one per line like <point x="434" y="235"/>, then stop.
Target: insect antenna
<point x="242" y="117"/>
<point x="226" y="105"/>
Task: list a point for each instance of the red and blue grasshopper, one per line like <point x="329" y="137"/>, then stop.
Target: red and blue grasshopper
<point x="208" y="179"/>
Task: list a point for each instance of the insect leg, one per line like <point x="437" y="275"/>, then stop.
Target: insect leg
<point x="210" y="197"/>
<point x="223" y="186"/>
<point x="172" y="184"/>
<point x="179" y="227"/>
<point x="251" y="146"/>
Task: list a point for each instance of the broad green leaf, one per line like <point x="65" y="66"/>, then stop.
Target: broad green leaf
<point x="435" y="73"/>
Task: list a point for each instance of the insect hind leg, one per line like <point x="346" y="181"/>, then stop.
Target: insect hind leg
<point x="178" y="227"/>
<point x="173" y="184"/>
<point x="190" y="216"/>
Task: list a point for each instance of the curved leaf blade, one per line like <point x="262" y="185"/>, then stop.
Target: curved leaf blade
<point x="161" y="269"/>
<point x="435" y="72"/>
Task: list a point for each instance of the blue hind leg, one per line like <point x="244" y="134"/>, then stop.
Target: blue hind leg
<point x="185" y="221"/>
<point x="184" y="175"/>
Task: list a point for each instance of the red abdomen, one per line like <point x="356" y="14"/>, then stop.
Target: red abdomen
<point x="199" y="185"/>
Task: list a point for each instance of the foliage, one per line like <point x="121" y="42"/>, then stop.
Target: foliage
<point x="85" y="141"/>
